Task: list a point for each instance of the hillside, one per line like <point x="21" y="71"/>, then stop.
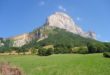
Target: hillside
<point x="59" y="20"/>
<point x="61" y="32"/>
<point x="61" y="36"/>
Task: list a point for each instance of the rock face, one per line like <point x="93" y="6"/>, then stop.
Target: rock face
<point x="20" y="40"/>
<point x="63" y="21"/>
<point x="56" y="20"/>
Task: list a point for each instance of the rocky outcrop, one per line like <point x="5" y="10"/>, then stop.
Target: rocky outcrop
<point x="20" y="40"/>
<point x="56" y="20"/>
<point x="63" y="21"/>
<point x="91" y="35"/>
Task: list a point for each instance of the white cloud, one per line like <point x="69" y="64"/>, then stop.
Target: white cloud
<point x="62" y="8"/>
<point x="41" y="3"/>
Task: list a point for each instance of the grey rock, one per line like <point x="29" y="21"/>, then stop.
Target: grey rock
<point x="63" y="21"/>
<point x="60" y="20"/>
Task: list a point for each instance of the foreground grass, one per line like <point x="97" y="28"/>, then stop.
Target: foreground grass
<point x="61" y="64"/>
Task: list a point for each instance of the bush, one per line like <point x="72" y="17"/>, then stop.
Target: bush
<point x="45" y="52"/>
<point x="49" y="51"/>
<point x="62" y="50"/>
<point x="75" y="50"/>
<point x="96" y="47"/>
<point x="83" y="50"/>
<point x="107" y="46"/>
<point x="57" y="50"/>
<point x="92" y="47"/>
<point x="106" y="54"/>
<point x="80" y="50"/>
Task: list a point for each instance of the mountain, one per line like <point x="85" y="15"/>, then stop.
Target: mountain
<point x="58" y="20"/>
<point x="63" y="21"/>
<point x="59" y="36"/>
<point x="20" y="40"/>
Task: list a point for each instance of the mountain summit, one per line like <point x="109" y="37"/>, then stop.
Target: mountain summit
<point x="64" y="21"/>
<point x="58" y="20"/>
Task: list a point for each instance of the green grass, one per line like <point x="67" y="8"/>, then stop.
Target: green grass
<point x="61" y="64"/>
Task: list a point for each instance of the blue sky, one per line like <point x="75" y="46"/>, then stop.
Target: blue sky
<point x="21" y="16"/>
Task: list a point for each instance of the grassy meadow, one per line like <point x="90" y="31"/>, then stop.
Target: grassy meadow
<point x="61" y="64"/>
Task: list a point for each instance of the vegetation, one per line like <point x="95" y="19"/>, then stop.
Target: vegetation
<point x="63" y="42"/>
<point x="106" y="54"/>
<point x="97" y="47"/>
<point x="7" y="46"/>
<point x="7" y="69"/>
<point x="107" y="46"/>
<point x="61" y="64"/>
<point x="63" y="37"/>
<point x="83" y="50"/>
<point x="62" y="48"/>
<point x="45" y="52"/>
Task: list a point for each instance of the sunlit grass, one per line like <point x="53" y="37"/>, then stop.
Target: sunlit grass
<point x="61" y="64"/>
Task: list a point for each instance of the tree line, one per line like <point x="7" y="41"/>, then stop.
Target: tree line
<point x="62" y="41"/>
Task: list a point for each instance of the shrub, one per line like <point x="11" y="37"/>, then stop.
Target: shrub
<point x="33" y="51"/>
<point x="96" y="47"/>
<point x="75" y="50"/>
<point x="107" y="46"/>
<point x="57" y="50"/>
<point x="106" y="54"/>
<point x="80" y="50"/>
<point x="83" y="50"/>
<point x="45" y="52"/>
<point x="62" y="50"/>
<point x="92" y="47"/>
<point x="49" y="51"/>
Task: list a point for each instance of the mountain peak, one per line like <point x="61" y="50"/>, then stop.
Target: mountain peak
<point x="59" y="20"/>
<point x="63" y="14"/>
<point x="64" y="21"/>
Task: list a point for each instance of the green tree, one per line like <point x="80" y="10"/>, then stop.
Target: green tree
<point x="100" y="47"/>
<point x="106" y="54"/>
<point x="107" y="46"/>
<point x="45" y="52"/>
<point x="83" y="50"/>
<point x="92" y="47"/>
<point x="50" y="51"/>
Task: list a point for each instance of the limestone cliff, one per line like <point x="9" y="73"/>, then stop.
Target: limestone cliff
<point x="57" y="20"/>
<point x="20" y="40"/>
<point x="63" y="21"/>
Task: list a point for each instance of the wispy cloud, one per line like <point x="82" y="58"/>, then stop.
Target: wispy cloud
<point x="41" y="3"/>
<point x="62" y="8"/>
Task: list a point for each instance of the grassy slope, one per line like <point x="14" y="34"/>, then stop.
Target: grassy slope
<point x="67" y="64"/>
<point x="60" y="36"/>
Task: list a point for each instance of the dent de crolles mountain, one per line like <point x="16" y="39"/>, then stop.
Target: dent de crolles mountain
<point x="59" y="20"/>
<point x="63" y="21"/>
